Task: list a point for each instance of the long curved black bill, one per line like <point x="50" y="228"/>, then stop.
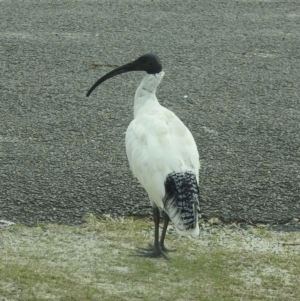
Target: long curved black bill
<point x="123" y="69"/>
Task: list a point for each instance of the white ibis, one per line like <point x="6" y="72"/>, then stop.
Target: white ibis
<point x="162" y="155"/>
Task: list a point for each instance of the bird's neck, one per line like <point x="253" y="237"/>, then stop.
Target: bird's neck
<point x="145" y="93"/>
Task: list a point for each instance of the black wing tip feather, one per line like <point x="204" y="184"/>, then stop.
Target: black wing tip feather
<point x="182" y="197"/>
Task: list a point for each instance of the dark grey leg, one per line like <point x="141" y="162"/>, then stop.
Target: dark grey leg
<point x="155" y="251"/>
<point x="163" y="234"/>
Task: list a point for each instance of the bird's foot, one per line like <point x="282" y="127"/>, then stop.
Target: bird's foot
<point x="166" y="249"/>
<point x="151" y="252"/>
<point x="162" y="247"/>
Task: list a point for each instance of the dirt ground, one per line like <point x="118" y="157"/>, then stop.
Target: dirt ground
<point x="96" y="261"/>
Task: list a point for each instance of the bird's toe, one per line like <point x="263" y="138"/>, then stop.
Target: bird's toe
<point x="167" y="249"/>
<point x="151" y="253"/>
<point x="162" y="247"/>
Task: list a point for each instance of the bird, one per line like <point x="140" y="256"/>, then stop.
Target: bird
<point x="162" y="155"/>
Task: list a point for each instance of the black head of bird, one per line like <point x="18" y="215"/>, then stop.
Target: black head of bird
<point x="149" y="63"/>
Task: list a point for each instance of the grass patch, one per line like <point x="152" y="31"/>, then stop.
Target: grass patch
<point x="95" y="262"/>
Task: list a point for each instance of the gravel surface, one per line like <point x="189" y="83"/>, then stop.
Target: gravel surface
<point x="232" y="76"/>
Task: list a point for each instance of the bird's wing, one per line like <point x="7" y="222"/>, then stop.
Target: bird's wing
<point x="158" y="143"/>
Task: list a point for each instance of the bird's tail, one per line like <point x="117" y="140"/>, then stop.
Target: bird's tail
<point x="181" y="202"/>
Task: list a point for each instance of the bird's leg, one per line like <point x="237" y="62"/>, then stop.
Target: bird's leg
<point x="156" y="250"/>
<point x="162" y="238"/>
<point x="163" y="234"/>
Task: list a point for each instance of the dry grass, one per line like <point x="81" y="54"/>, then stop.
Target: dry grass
<point x="95" y="262"/>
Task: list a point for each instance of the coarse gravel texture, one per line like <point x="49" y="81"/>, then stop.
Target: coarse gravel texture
<point x="232" y="76"/>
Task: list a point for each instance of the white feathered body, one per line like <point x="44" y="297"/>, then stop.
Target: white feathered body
<point x="159" y="144"/>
